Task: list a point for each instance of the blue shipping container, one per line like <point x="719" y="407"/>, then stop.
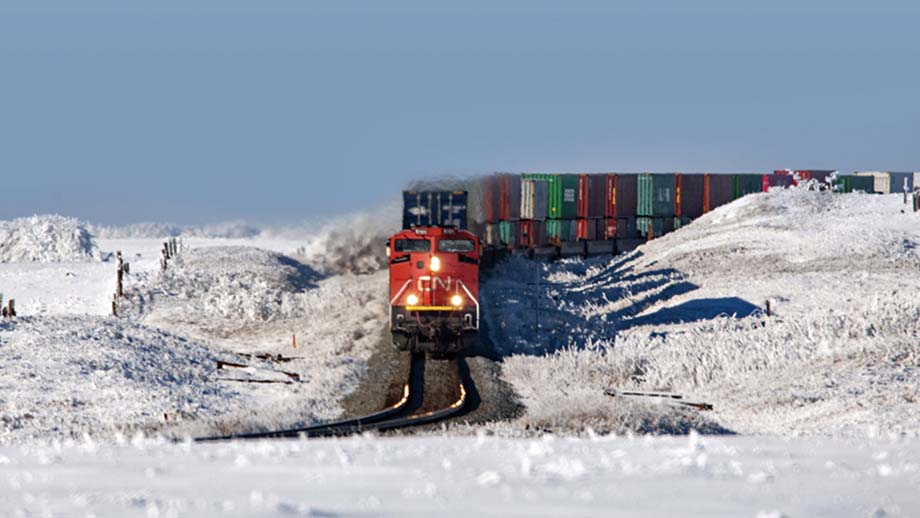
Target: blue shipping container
<point x="434" y="209"/>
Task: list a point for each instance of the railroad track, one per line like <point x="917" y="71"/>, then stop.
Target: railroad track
<point x="402" y="414"/>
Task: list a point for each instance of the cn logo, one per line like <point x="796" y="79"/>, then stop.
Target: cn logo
<point x="428" y="283"/>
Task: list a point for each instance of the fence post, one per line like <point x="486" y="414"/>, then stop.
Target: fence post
<point x="121" y="270"/>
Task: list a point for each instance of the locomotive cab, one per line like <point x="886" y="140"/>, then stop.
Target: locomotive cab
<point x="434" y="289"/>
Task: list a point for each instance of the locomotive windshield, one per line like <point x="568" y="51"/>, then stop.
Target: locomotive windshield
<point x="455" y="245"/>
<point x="413" y="245"/>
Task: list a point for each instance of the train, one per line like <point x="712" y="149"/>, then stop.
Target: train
<point x="434" y="289"/>
<point x="448" y="234"/>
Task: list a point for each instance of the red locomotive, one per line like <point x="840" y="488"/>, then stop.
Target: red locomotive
<point x="434" y="289"/>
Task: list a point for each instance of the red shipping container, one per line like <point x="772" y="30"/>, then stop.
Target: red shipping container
<point x="610" y="231"/>
<point x="526" y="231"/>
<point x="611" y="211"/>
<point x="583" y="191"/>
<point x="766" y="183"/>
<point x="706" y="205"/>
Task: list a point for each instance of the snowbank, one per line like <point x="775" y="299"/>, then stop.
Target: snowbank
<point x="46" y="239"/>
<point x="467" y="476"/>
<point x="231" y="283"/>
<point x="687" y="313"/>
<point x="68" y="376"/>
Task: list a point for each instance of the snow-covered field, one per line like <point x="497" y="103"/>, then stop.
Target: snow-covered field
<point x="687" y="313"/>
<point x="688" y="476"/>
<point x="823" y="392"/>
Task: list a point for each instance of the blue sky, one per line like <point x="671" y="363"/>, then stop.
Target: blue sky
<point x="205" y="111"/>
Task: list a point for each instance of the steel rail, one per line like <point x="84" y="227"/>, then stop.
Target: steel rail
<point x="382" y="420"/>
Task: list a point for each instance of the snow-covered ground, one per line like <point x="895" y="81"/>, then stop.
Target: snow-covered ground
<point x="687" y="313"/>
<point x="691" y="476"/>
<point x="221" y="299"/>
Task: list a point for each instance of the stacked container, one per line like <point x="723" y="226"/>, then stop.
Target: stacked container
<point x="881" y="182"/>
<point x="691" y="198"/>
<point x="901" y="182"/>
<point x="744" y="184"/>
<point x="434" y="208"/>
<point x="655" y="204"/>
<point x="855" y="183"/>
<point x="822" y="178"/>
<point x="777" y="180"/>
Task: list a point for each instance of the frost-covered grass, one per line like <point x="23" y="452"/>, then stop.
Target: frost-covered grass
<point x="46" y="239"/>
<point x="687" y="313"/>
<point x="69" y="376"/>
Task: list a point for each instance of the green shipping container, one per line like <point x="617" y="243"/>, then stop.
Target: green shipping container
<point x="743" y="184"/>
<point x="655" y="195"/>
<point x="562" y="230"/>
<point x="663" y="202"/>
<point x="851" y="183"/>
<point x="646" y="225"/>
<point x="506" y="233"/>
<point x="563" y="196"/>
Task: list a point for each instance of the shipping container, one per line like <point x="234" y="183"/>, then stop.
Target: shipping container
<point x="613" y="228"/>
<point x="533" y="199"/>
<point x="777" y="180"/>
<point x="508" y="232"/>
<point x="434" y="208"/>
<point x="563" y="196"/>
<point x="598" y="195"/>
<point x="491" y="197"/>
<point x="625" y="193"/>
<point x="650" y="228"/>
<point x="821" y="178"/>
<point x="744" y="184"/>
<point x="490" y="236"/>
<point x="721" y="190"/>
<point x="562" y="230"/>
<point x="510" y="197"/>
<point x="584" y="195"/>
<point x="692" y="187"/>
<point x="533" y="234"/>
<point x="855" y="183"/>
<point x="901" y="182"/>
<point x="881" y="180"/>
<point x="655" y="195"/>
<point x="587" y="230"/>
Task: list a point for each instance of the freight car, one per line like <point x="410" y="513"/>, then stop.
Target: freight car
<point x="434" y="281"/>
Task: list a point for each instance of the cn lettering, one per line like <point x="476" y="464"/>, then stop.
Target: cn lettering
<point x="428" y="283"/>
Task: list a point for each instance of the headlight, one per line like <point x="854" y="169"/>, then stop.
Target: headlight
<point x="435" y="264"/>
<point x="412" y="299"/>
<point x="456" y="301"/>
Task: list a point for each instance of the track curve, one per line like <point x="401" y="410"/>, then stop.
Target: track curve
<point x="399" y="415"/>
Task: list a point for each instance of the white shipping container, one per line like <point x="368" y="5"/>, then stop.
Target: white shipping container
<point x="916" y="180"/>
<point x="882" y="183"/>
<point x="526" y="199"/>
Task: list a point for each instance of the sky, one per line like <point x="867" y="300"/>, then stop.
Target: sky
<point x="289" y="111"/>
